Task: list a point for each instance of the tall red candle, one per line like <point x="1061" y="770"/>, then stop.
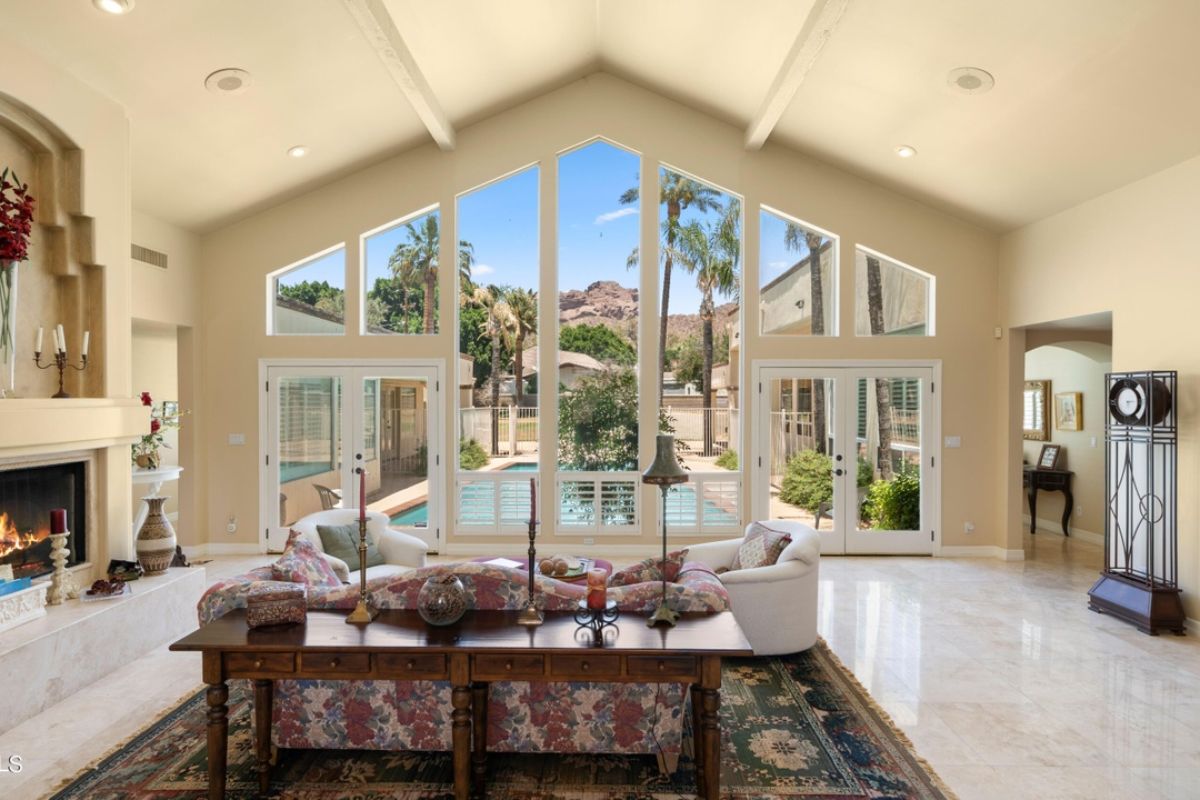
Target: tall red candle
<point x="532" y="500"/>
<point x="58" y="520"/>
<point x="362" y="493"/>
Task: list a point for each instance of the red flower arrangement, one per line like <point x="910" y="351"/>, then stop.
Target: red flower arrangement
<point x="16" y="217"/>
<point x="145" y="452"/>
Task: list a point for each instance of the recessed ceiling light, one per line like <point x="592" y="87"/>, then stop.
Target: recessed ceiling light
<point x="117" y="7"/>
<point x="970" y="80"/>
<point x="906" y="151"/>
<point x="230" y="80"/>
<point x="299" y="151"/>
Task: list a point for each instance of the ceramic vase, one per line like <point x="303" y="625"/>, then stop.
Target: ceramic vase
<point x="442" y="600"/>
<point x="8" y="329"/>
<point x="156" y="539"/>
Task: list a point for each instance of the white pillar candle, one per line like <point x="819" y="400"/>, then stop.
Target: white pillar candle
<point x="57" y="342"/>
<point x="62" y="340"/>
<point x="87" y="336"/>
<point x="38" y="347"/>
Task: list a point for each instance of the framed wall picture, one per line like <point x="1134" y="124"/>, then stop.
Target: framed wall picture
<point x="1068" y="411"/>
<point x="1036" y="399"/>
<point x="170" y="408"/>
<point x="1048" y="459"/>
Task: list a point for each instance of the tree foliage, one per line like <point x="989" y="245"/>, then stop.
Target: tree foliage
<point x="807" y="480"/>
<point x="598" y="341"/>
<point x="597" y="423"/>
<point x="313" y="292"/>
<point x="471" y="455"/>
<point x="895" y="505"/>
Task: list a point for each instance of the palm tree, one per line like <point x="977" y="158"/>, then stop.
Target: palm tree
<point x="713" y="253"/>
<point x="492" y="300"/>
<point x="522" y="321"/>
<point x="416" y="261"/>
<point x="677" y="193"/>
<point x="797" y="239"/>
<point x="883" y="395"/>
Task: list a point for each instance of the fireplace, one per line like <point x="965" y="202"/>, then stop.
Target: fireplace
<point x="26" y="496"/>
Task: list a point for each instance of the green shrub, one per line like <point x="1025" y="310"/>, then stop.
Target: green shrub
<point x="807" y="480"/>
<point x="471" y="454"/>
<point x="865" y="473"/>
<point x="727" y="460"/>
<point x="895" y="505"/>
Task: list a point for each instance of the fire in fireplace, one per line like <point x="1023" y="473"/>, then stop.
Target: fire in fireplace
<point x="27" y="495"/>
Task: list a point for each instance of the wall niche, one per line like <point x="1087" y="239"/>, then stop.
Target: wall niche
<point x="59" y="282"/>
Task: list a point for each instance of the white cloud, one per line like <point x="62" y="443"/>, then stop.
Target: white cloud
<point x="611" y="215"/>
<point x="482" y="269"/>
<point x="777" y="266"/>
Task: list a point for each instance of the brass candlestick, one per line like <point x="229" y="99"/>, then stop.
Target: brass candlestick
<point x="664" y="473"/>
<point x="60" y="361"/>
<point x="363" y="613"/>
<point x="531" y="615"/>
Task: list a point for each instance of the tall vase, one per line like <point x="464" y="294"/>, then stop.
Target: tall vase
<point x="8" y="328"/>
<point x="155" y="539"/>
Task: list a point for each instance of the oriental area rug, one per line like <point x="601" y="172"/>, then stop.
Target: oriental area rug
<point x="793" y="727"/>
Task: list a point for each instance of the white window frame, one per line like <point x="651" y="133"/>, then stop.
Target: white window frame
<point x="272" y="291"/>
<point x="930" y="294"/>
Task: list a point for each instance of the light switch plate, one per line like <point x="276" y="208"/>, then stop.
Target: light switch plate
<point x="237" y="438"/>
<point x="953" y="441"/>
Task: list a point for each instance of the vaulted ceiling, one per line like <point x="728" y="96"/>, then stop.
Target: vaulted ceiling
<point x="1089" y="94"/>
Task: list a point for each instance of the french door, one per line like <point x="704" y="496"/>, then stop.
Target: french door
<point x="851" y="452"/>
<point x="324" y="422"/>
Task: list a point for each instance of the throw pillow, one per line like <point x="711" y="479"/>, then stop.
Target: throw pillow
<point x="341" y="541"/>
<point x="761" y="547"/>
<point x="301" y="563"/>
<point x="648" y="570"/>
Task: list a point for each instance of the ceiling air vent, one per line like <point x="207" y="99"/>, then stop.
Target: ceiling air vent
<point x="148" y="256"/>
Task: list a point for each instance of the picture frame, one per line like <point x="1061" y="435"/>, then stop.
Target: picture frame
<point x="1049" y="457"/>
<point x="1068" y="411"/>
<point x="170" y="408"/>
<point x="1035" y="411"/>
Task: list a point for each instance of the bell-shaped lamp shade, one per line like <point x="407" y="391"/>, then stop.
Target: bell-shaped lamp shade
<point x="665" y="471"/>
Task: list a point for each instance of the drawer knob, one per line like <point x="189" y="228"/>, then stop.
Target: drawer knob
<point x="258" y="663"/>
<point x="333" y="662"/>
<point x="662" y="666"/>
<point x="411" y="664"/>
<point x="585" y="666"/>
<point x="508" y="666"/>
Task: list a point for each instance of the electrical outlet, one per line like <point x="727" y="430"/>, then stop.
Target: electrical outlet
<point x="589" y="540"/>
<point x="1079" y="510"/>
<point x="968" y="527"/>
<point x="231" y="526"/>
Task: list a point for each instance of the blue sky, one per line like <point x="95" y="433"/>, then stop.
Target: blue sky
<point x="773" y="257"/>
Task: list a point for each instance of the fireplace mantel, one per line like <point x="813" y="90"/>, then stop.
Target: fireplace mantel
<point x="44" y="425"/>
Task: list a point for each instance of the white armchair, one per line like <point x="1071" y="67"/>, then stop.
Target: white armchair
<point x="776" y="606"/>
<point x="401" y="551"/>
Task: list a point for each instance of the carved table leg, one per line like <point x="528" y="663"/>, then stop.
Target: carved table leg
<point x="479" y="709"/>
<point x="1067" y="507"/>
<point x="697" y="742"/>
<point x="218" y="738"/>
<point x="1032" y="506"/>
<point x="710" y="727"/>
<point x="264" y="691"/>
<point x="460" y="699"/>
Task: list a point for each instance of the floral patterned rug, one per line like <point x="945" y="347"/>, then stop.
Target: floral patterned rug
<point x="794" y="727"/>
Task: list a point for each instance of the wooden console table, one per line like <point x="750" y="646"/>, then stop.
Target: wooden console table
<point x="484" y="646"/>
<point x="1049" y="480"/>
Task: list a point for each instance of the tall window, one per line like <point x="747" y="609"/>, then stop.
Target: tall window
<point x="700" y="280"/>
<point x="890" y="298"/>
<point x="797" y="268"/>
<point x="498" y="274"/>
<point x="309" y="298"/>
<point x="400" y="276"/>
<point x="597" y="338"/>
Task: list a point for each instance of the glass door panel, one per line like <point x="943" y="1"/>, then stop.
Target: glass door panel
<point x="306" y="459"/>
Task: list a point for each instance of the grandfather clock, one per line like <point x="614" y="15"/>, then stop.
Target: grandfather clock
<point x="1140" y="581"/>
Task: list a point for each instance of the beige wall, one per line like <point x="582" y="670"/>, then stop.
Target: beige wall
<point x="1074" y="263"/>
<point x="235" y="261"/>
<point x="155" y="353"/>
<point x="1074" y="367"/>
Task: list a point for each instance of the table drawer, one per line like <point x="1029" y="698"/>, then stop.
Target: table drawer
<point x="400" y="666"/>
<point x="585" y="665"/>
<point x="260" y="662"/>
<point x="663" y="666"/>
<point x="318" y="663"/>
<point x="499" y="667"/>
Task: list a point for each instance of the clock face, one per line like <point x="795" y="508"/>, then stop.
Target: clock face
<point x="1128" y="401"/>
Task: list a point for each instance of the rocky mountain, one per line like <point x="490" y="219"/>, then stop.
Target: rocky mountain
<point x="611" y="304"/>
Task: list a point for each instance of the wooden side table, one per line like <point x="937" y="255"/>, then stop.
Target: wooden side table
<point x="1048" y="480"/>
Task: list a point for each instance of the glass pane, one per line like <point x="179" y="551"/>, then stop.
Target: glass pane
<point x="890" y="299"/>
<point x="310" y="446"/>
<point x="310" y="298"/>
<point x="597" y="310"/>
<point x="396" y="449"/>
<point x="889" y="454"/>
<point x="802" y="425"/>
<point x="700" y="290"/>
<point x="401" y="279"/>
<point x="498" y="326"/>
<point x="797" y="268"/>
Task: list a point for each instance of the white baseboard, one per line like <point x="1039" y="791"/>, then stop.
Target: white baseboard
<point x="981" y="551"/>
<point x="1054" y="527"/>
<point x="221" y="549"/>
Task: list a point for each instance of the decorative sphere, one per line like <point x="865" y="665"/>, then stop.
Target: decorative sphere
<point x="442" y="600"/>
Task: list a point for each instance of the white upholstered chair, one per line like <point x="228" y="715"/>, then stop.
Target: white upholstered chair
<point x="775" y="606"/>
<point x="401" y="551"/>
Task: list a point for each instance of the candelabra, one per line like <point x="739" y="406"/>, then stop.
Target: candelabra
<point x="60" y="357"/>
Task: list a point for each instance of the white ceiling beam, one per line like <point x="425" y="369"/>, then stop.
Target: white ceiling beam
<point x="384" y="37"/>
<point x="818" y="28"/>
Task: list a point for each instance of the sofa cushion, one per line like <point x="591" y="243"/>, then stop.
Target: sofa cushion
<point x="341" y="541"/>
<point x="301" y="562"/>
<point x="761" y="547"/>
<point x="648" y="569"/>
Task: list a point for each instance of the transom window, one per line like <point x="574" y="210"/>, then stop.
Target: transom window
<point x="797" y="273"/>
<point x="891" y="298"/>
<point x="309" y="298"/>
<point x="400" y="276"/>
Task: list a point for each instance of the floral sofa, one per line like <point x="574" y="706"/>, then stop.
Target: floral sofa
<point x="522" y="716"/>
